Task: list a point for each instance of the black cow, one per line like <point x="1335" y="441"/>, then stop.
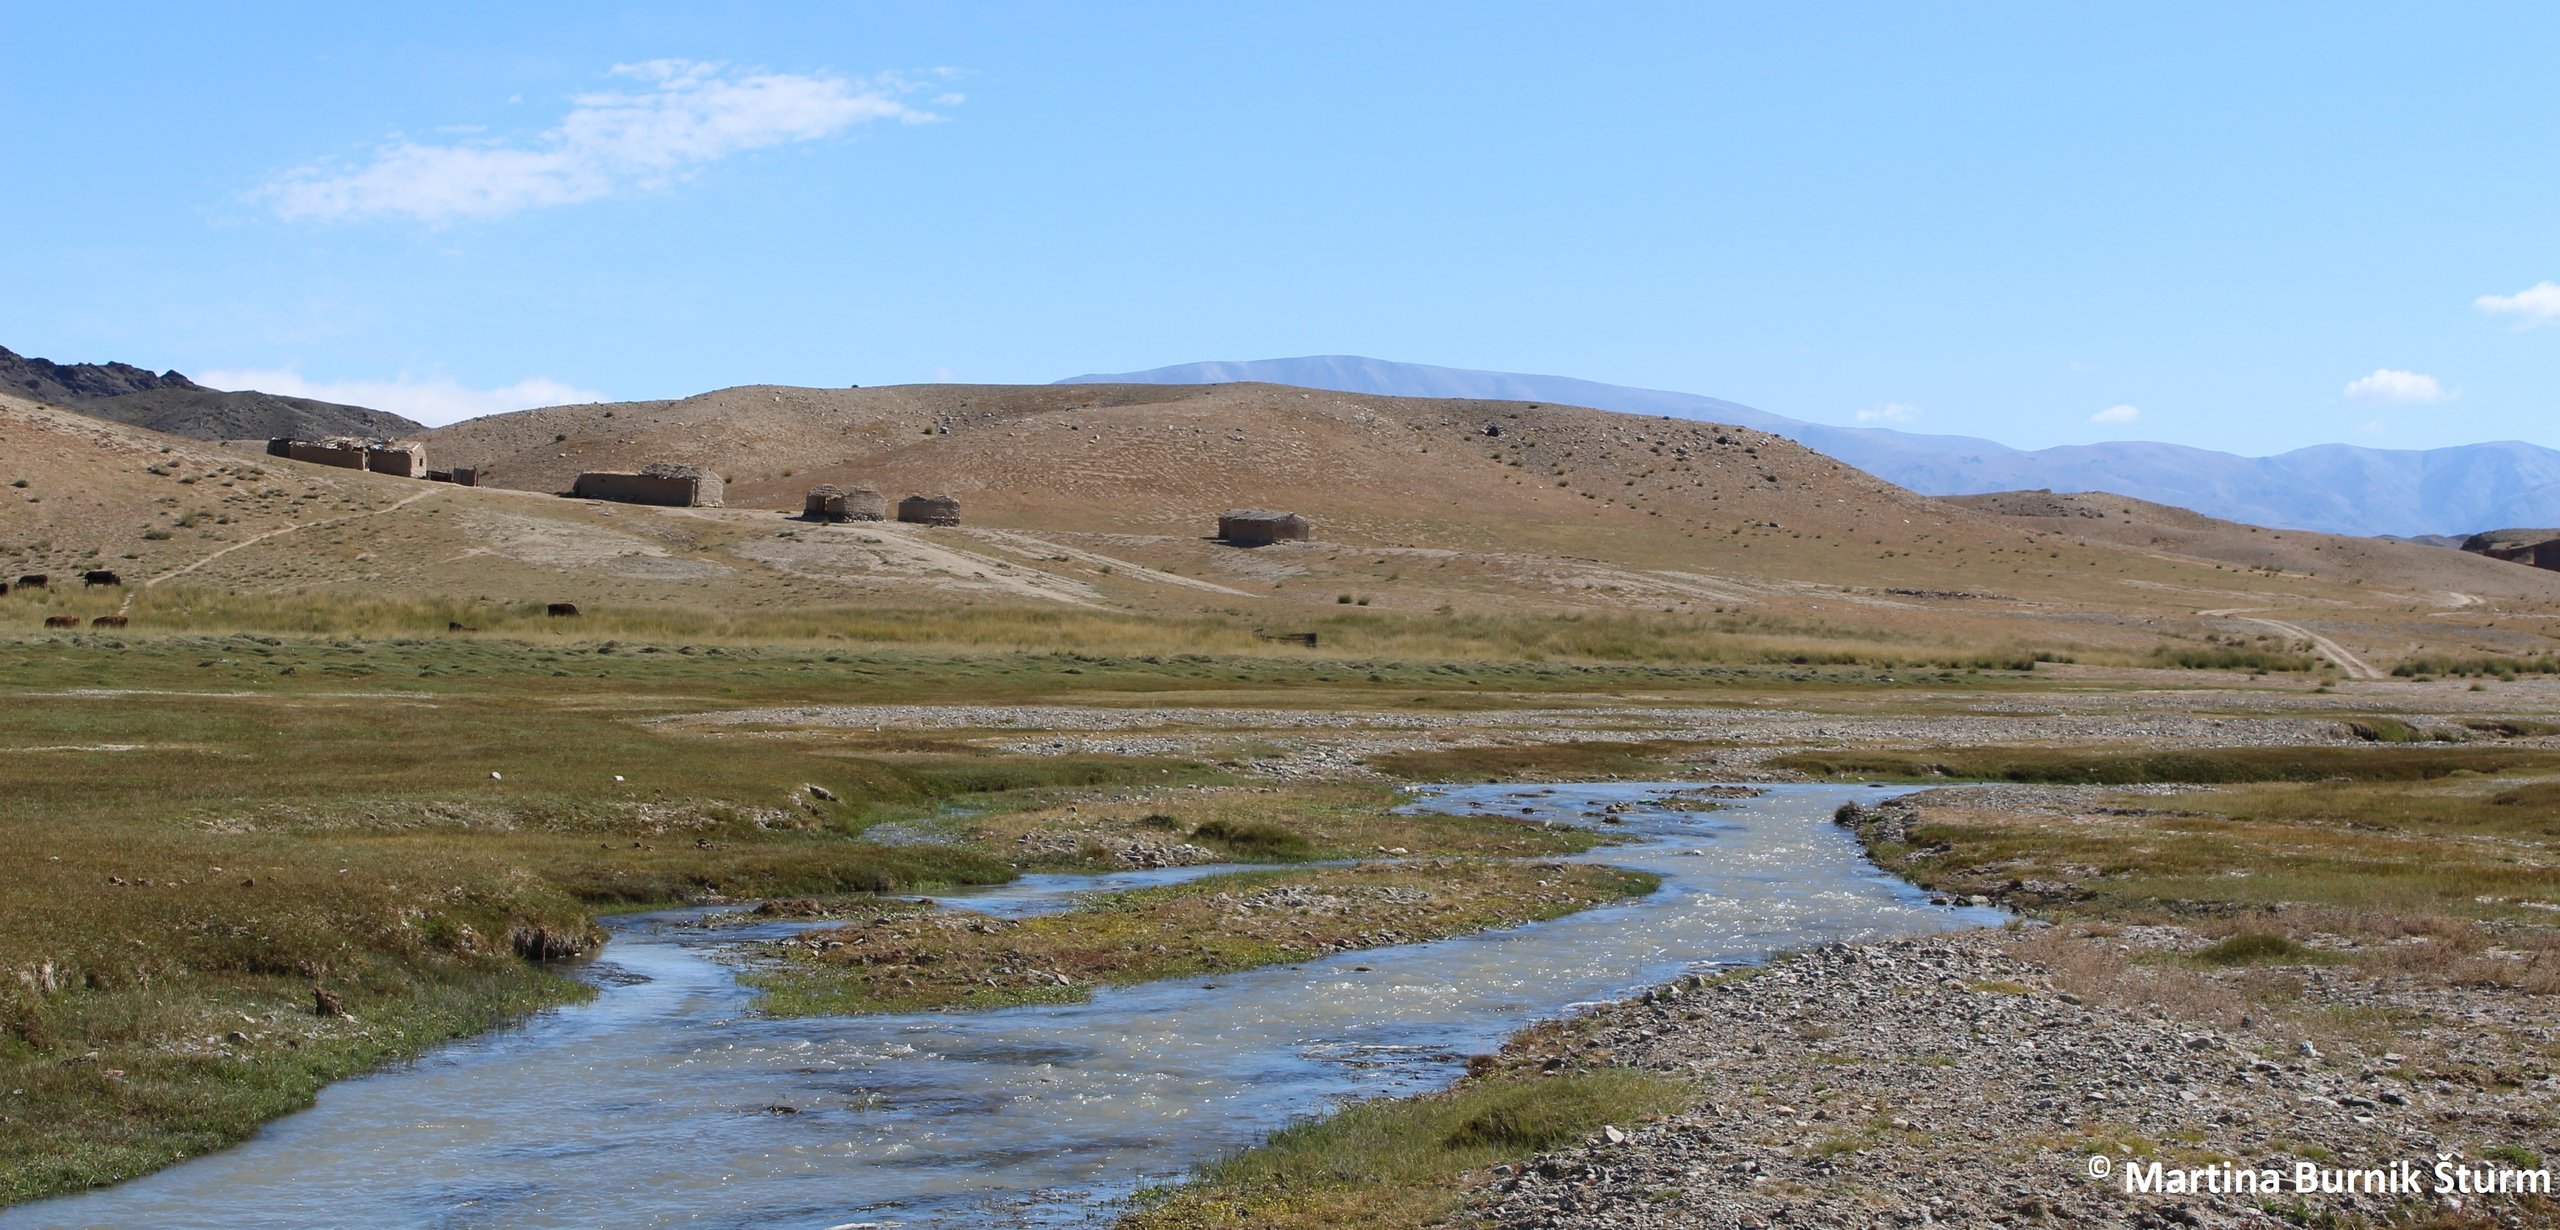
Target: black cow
<point x="33" y="580"/>
<point x="561" y="610"/>
<point x="100" y="576"/>
<point x="107" y="621"/>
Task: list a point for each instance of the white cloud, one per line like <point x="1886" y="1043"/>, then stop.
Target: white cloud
<point x="2388" y="387"/>
<point x="2117" y="414"/>
<point x="1890" y="412"/>
<point x="685" y="115"/>
<point x="2538" y="304"/>
<point x="434" y="401"/>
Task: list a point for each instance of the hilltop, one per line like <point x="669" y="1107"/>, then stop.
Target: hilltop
<point x="169" y="402"/>
<point x="1102" y="500"/>
<point x="2336" y="488"/>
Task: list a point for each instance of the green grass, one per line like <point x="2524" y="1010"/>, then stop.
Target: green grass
<point x="2199" y="765"/>
<point x="2427" y="665"/>
<point x="904" y="960"/>
<point x="1254" y="841"/>
<point x="1405" y="1162"/>
<point x="2234" y="658"/>
<point x="1738" y="639"/>
<point x="2250" y="851"/>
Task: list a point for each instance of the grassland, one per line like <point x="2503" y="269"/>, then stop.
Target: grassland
<point x="245" y="865"/>
<point x="1724" y="638"/>
<point x="2112" y="767"/>
<point x="906" y="960"/>
<point x="248" y="863"/>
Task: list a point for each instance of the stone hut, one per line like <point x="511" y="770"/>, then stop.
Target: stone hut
<point x="1254" y="527"/>
<point x="929" y="510"/>
<point x="407" y="460"/>
<point x="675" y="486"/>
<point x="828" y="502"/>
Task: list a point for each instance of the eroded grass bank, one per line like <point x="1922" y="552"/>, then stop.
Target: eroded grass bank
<point x="907" y="960"/>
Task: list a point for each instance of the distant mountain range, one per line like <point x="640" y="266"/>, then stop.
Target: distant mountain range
<point x="2334" y="488"/>
<point x="172" y="403"/>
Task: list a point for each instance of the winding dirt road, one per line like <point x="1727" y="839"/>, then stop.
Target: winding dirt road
<point x="2355" y="667"/>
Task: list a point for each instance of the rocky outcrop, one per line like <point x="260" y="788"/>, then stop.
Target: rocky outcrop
<point x="2538" y="548"/>
<point x="63" y="384"/>
<point x="169" y="402"/>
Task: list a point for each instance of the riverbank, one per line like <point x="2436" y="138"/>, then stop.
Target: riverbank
<point x="2349" y="974"/>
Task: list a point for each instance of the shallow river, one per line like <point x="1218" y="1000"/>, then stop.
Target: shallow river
<point x="649" y="1107"/>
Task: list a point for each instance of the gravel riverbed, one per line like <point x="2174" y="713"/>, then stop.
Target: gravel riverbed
<point x="1963" y="1080"/>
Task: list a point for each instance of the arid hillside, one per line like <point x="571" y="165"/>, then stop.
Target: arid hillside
<point x="2456" y="578"/>
<point x="1103" y="499"/>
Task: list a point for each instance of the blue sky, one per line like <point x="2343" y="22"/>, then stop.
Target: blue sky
<point x="2252" y="229"/>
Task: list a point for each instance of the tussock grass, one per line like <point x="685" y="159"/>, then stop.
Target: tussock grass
<point x="1254" y="840"/>
<point x="2487" y="666"/>
<point x="2234" y="658"/>
<point x="1405" y="1162"/>
<point x="2199" y="765"/>
<point x="1257" y="824"/>
<point x="908" y="961"/>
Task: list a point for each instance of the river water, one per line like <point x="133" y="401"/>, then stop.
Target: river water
<point x="651" y="1106"/>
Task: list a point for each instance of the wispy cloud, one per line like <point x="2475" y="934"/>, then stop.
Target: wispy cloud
<point x="434" y="400"/>
<point x="683" y="115"/>
<point x="2538" y="304"/>
<point x="2390" y="387"/>
<point x="2117" y="414"/>
<point x="1890" y="412"/>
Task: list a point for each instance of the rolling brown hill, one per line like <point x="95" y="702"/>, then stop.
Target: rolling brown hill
<point x="2454" y="578"/>
<point x="1103" y="497"/>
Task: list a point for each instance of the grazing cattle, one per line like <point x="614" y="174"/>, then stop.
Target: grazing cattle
<point x="62" y="621"/>
<point x="4" y="589"/>
<point x="451" y="626"/>
<point x="561" y="610"/>
<point x="33" y="580"/>
<point x="107" y="621"/>
<point x="100" y="576"/>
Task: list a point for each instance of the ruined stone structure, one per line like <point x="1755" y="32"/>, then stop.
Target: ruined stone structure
<point x="1254" y="527"/>
<point x="405" y="459"/>
<point x="929" y="510"/>
<point x="656" y="483"/>
<point x="341" y="452"/>
<point x="828" y="502"/>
